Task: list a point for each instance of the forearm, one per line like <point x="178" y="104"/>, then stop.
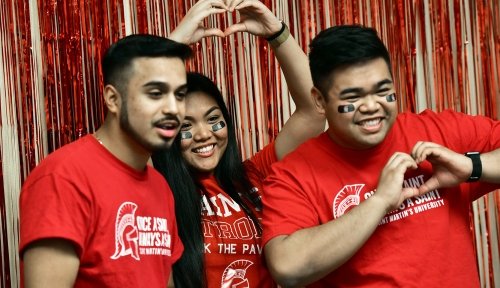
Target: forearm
<point x="491" y="166"/>
<point x="305" y="122"/>
<point x="310" y="254"/>
<point x="295" y="67"/>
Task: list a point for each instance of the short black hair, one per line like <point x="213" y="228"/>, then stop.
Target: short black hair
<point x="119" y="55"/>
<point x="341" y="46"/>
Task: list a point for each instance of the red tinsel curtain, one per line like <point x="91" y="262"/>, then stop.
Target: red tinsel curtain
<point x="446" y="54"/>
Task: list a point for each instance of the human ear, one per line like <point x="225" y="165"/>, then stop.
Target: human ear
<point x="112" y="98"/>
<point x="319" y="100"/>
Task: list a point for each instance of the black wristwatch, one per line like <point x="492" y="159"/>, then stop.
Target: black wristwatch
<point x="477" y="167"/>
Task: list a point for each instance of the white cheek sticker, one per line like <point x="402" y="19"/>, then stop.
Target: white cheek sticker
<point x="218" y="126"/>
<point x="391" y="98"/>
<point x="346" y="108"/>
<point x="186" y="135"/>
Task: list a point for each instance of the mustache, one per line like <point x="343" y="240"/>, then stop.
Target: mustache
<point x="169" y="118"/>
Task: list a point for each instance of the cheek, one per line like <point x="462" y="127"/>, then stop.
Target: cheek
<point x="182" y="110"/>
<point x="185" y="144"/>
<point x="222" y="135"/>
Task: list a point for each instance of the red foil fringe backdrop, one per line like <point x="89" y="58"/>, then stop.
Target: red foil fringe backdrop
<point x="445" y="54"/>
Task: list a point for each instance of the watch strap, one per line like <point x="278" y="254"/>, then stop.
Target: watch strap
<point x="279" y="37"/>
<point x="477" y="167"/>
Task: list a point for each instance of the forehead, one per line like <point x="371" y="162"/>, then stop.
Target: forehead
<point x="362" y="76"/>
<point x="169" y="70"/>
<point x="199" y="103"/>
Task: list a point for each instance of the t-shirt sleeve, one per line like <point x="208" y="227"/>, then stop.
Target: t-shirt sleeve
<point x="288" y="206"/>
<point x="263" y="160"/>
<point x="53" y="207"/>
<point x="465" y="133"/>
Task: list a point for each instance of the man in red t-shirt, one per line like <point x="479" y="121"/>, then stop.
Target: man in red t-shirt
<point x="379" y="199"/>
<point x="93" y="213"/>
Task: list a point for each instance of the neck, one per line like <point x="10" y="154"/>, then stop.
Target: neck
<point x="118" y="143"/>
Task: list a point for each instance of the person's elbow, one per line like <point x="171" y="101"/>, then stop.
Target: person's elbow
<point x="284" y="266"/>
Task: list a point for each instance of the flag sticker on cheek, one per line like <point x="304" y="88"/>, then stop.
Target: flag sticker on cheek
<point x="186" y="135"/>
<point x="391" y="98"/>
<point x="218" y="126"/>
<point x="346" y="108"/>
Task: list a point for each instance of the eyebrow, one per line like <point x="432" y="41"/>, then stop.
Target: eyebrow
<point x="206" y="114"/>
<point x="361" y="90"/>
<point x="156" y="84"/>
<point x="163" y="86"/>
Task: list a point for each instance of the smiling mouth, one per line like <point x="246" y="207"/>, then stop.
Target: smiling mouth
<point x="204" y="149"/>
<point x="370" y="123"/>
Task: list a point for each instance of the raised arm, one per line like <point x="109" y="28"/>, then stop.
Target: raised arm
<point x="305" y="122"/>
<point x="50" y="263"/>
<point x="294" y="263"/>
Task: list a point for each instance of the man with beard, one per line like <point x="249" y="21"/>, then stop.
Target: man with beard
<point x="93" y="213"/>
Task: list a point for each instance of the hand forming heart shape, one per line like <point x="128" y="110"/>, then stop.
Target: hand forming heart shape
<point x="254" y="18"/>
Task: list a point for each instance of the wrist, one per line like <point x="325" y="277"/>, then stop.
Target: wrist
<point x="477" y="167"/>
<point x="279" y="37"/>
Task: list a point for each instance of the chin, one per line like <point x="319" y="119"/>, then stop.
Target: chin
<point x="161" y="147"/>
<point x="204" y="168"/>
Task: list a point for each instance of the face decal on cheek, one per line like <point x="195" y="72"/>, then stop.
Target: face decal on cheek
<point x="218" y="126"/>
<point x="391" y="97"/>
<point x="346" y="108"/>
<point x="186" y="135"/>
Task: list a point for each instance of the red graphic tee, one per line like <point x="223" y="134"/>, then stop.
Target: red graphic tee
<point x="232" y="242"/>
<point x="121" y="221"/>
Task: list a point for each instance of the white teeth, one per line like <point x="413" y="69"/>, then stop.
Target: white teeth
<point x="204" y="149"/>
<point x="369" y="123"/>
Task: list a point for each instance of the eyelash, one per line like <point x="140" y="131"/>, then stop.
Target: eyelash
<point x="213" y="118"/>
<point x="381" y="93"/>
<point x="155" y="94"/>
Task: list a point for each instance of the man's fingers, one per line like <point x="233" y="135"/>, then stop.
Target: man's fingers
<point x="429" y="185"/>
<point x="238" y="27"/>
<point x="409" y="192"/>
<point x="214" y="32"/>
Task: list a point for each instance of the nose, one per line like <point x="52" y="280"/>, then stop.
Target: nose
<point x="370" y="103"/>
<point x="171" y="105"/>
<point x="201" y="132"/>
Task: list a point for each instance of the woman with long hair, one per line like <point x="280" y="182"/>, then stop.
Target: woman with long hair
<point x="217" y="196"/>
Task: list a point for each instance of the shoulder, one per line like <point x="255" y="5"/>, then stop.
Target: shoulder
<point x="306" y="154"/>
<point x="63" y="160"/>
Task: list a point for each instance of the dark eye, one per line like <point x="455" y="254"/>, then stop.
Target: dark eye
<point x="185" y="126"/>
<point x="181" y="94"/>
<point x="213" y="118"/>
<point x="352" y="98"/>
<point x="383" y="92"/>
<point x="155" y="94"/>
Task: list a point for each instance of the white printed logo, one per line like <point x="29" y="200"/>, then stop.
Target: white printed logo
<point x="126" y="233"/>
<point x="346" y="198"/>
<point x="234" y="275"/>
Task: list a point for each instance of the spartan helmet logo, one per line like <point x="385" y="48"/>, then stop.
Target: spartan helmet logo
<point x="234" y="275"/>
<point x="346" y="199"/>
<point x="126" y="234"/>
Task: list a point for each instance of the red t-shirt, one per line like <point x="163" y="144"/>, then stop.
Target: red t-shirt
<point x="427" y="242"/>
<point x="121" y="221"/>
<point x="232" y="242"/>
